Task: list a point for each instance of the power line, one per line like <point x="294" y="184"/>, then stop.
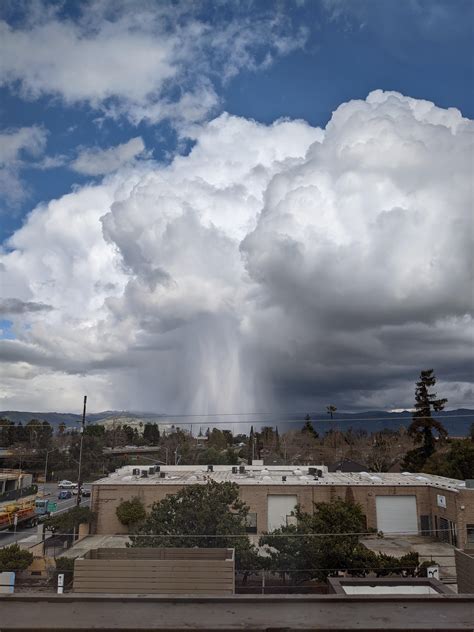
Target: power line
<point x="240" y="535"/>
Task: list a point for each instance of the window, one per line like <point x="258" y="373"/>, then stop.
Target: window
<point x="251" y="522"/>
<point x="470" y="533"/>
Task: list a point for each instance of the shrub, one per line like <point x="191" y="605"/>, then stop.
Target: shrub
<point x="131" y="512"/>
<point x="12" y="558"/>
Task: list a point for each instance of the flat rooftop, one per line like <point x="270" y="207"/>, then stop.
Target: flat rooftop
<point x="271" y="475"/>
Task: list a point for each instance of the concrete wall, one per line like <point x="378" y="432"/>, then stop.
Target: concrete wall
<point x="465" y="571"/>
<point x="106" y="498"/>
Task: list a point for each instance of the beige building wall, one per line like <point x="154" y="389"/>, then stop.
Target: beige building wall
<point x="459" y="505"/>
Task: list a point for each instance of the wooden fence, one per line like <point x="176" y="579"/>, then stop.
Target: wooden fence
<point x="156" y="571"/>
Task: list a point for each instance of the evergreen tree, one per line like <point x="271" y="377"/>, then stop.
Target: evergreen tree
<point x="423" y="424"/>
<point x="308" y="428"/>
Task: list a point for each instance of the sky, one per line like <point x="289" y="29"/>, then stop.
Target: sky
<point x="234" y="207"/>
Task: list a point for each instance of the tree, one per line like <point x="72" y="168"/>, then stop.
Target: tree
<point x="331" y="409"/>
<point x="308" y="428"/>
<point x="210" y="515"/>
<point x="131" y="512"/>
<point x="7" y="433"/>
<point x="12" y="558"/>
<point x="151" y="434"/>
<point x="69" y="521"/>
<point x="457" y="462"/>
<point x="321" y="543"/>
<point x="422" y="427"/>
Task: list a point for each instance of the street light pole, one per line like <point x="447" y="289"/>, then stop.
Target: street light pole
<point x="79" y="481"/>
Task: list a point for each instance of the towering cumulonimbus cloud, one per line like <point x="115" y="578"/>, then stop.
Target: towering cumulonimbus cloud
<point x="279" y="265"/>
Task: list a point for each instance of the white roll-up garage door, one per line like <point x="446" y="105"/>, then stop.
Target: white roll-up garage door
<point x="396" y="514"/>
<point x="279" y="508"/>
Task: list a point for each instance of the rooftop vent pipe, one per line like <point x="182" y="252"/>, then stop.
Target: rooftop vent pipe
<point x="242" y="469"/>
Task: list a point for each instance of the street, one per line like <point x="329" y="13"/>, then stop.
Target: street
<point x="8" y="537"/>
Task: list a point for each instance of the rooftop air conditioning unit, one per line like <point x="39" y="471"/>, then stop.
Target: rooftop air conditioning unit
<point x="242" y="469"/>
<point x="157" y="468"/>
<point x="210" y="468"/>
<point x="319" y="473"/>
<point x="144" y="474"/>
<point x="312" y="471"/>
<point x="283" y="479"/>
<point x="136" y="471"/>
<point x="162" y="475"/>
<point x="151" y="469"/>
<point x="235" y="469"/>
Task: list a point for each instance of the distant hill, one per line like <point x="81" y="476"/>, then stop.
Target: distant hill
<point x="70" y="418"/>
<point x="457" y="422"/>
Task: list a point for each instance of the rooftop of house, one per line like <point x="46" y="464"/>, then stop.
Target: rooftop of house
<point x="270" y="475"/>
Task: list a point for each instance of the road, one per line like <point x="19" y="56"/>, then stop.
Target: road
<point x="8" y="537"/>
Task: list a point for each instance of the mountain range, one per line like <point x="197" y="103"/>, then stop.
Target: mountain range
<point x="457" y="422"/>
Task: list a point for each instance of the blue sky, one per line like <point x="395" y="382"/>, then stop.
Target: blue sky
<point x="235" y="206"/>
<point x="422" y="49"/>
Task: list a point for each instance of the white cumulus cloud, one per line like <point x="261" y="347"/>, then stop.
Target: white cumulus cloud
<point x="18" y="146"/>
<point x="279" y="265"/>
<point x="145" y="61"/>
<point x="96" y="162"/>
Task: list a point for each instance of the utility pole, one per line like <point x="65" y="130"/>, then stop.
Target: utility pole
<point x="83" y="425"/>
<point x="46" y="471"/>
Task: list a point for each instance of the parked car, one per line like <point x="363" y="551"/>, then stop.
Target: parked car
<point x="86" y="492"/>
<point x="66" y="484"/>
<point x="64" y="494"/>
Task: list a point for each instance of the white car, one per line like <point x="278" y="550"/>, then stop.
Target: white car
<point x="66" y="485"/>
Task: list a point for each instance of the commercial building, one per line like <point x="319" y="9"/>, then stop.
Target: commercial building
<point x="392" y="503"/>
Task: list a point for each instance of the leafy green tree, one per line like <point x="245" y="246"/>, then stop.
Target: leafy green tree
<point x="7" y="433"/>
<point x="209" y="515"/>
<point x="423" y="424"/>
<point x="12" y="558"/>
<point x="320" y="543"/>
<point x="458" y="462"/>
<point x="92" y="450"/>
<point x="131" y="512"/>
<point x="69" y="521"/>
